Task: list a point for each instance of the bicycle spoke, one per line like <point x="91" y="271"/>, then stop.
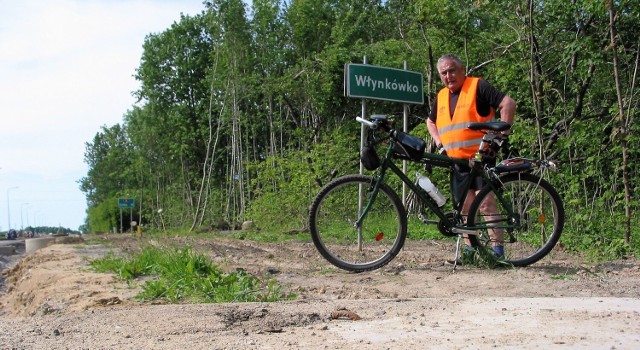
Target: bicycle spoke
<point x="538" y="218"/>
<point x="350" y="239"/>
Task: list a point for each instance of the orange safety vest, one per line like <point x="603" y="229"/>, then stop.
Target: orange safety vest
<point x="459" y="141"/>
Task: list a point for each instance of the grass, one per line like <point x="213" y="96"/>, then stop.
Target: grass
<point x="271" y="237"/>
<point x="563" y="277"/>
<point x="483" y="257"/>
<point x="181" y="275"/>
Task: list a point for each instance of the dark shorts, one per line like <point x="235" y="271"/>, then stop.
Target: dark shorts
<point x="460" y="177"/>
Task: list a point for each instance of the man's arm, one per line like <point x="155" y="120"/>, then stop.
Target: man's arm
<point x="489" y="95"/>
<point x="433" y="130"/>
<point x="507" y="108"/>
<point x="431" y="124"/>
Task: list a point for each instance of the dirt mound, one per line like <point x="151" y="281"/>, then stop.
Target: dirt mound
<point x="55" y="301"/>
<point x="56" y="279"/>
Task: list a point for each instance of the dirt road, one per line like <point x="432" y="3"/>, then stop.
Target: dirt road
<point x="51" y="300"/>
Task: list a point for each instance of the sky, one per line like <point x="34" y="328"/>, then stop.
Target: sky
<point x="66" y="70"/>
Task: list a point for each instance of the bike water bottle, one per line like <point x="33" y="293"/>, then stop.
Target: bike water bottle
<point x="431" y="189"/>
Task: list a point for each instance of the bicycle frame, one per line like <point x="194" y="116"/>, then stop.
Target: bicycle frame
<point x="515" y="206"/>
<point x="439" y="161"/>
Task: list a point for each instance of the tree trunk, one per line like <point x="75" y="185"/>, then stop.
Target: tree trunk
<point x="535" y="74"/>
<point x="623" y="127"/>
<point x="207" y="166"/>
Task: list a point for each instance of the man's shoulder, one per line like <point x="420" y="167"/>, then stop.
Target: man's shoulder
<point x="483" y="83"/>
<point x="489" y="93"/>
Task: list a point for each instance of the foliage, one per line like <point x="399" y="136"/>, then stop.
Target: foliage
<point x="241" y="112"/>
<point x="103" y="216"/>
<point x="50" y="230"/>
<point x="183" y="275"/>
<point x="300" y="175"/>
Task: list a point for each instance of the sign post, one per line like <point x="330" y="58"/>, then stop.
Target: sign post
<point x="126" y="203"/>
<point x="382" y="83"/>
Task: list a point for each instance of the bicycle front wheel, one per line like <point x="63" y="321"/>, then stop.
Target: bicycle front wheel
<point x="332" y="222"/>
<point x="526" y="216"/>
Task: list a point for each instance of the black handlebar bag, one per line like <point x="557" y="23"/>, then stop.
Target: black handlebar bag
<point x="408" y="146"/>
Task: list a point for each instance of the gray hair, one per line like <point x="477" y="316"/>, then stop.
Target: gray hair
<point x="450" y="57"/>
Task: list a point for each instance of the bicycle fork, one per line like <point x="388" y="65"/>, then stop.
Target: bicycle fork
<point x="363" y="212"/>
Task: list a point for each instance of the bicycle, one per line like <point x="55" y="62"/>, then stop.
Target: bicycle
<point x="359" y="223"/>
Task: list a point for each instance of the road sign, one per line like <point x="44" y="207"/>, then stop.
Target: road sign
<point x="382" y="83"/>
<point x="126" y="203"/>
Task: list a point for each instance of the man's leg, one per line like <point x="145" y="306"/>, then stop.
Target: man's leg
<point x="471" y="195"/>
<point x="489" y="209"/>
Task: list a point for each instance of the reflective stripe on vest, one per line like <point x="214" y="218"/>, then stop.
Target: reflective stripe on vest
<point x="459" y="141"/>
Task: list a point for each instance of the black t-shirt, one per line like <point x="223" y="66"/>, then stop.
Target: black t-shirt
<point x="487" y="97"/>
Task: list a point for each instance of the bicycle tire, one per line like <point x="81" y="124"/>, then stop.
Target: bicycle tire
<point x="539" y="218"/>
<point x="334" y="212"/>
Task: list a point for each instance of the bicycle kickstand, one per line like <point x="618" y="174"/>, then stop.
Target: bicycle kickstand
<point x="457" y="256"/>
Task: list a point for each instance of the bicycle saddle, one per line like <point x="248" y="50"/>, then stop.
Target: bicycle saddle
<point x="493" y="126"/>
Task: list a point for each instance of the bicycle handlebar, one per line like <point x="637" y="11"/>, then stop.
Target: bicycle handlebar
<point x="371" y="125"/>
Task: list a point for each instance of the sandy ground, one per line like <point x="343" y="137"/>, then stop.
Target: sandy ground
<point x="51" y="300"/>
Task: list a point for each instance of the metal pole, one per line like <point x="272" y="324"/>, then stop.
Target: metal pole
<point x="362" y="140"/>
<point x="22" y="216"/>
<point x="405" y="126"/>
<point x="140" y="208"/>
<point x="362" y="126"/>
<point x="8" y="208"/>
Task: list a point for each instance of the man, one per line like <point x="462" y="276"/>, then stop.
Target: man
<point x="462" y="100"/>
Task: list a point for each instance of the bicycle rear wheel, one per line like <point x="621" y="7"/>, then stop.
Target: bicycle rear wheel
<point x="530" y="229"/>
<point x="332" y="219"/>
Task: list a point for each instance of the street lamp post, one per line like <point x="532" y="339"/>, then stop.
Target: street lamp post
<point x="28" y="225"/>
<point x="22" y="216"/>
<point x="8" y="208"/>
<point x="36" y="219"/>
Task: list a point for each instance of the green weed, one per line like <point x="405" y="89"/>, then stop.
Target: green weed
<point x="563" y="277"/>
<point x="483" y="257"/>
<point x="183" y="275"/>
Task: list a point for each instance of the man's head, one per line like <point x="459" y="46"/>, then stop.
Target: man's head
<point x="451" y="72"/>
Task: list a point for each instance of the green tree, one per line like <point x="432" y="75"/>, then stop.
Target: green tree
<point x="111" y="172"/>
<point x="242" y="115"/>
<point x="172" y="127"/>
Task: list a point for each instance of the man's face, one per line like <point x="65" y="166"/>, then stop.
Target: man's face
<point x="451" y="74"/>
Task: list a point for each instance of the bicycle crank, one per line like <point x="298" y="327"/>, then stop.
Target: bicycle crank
<point x="446" y="226"/>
